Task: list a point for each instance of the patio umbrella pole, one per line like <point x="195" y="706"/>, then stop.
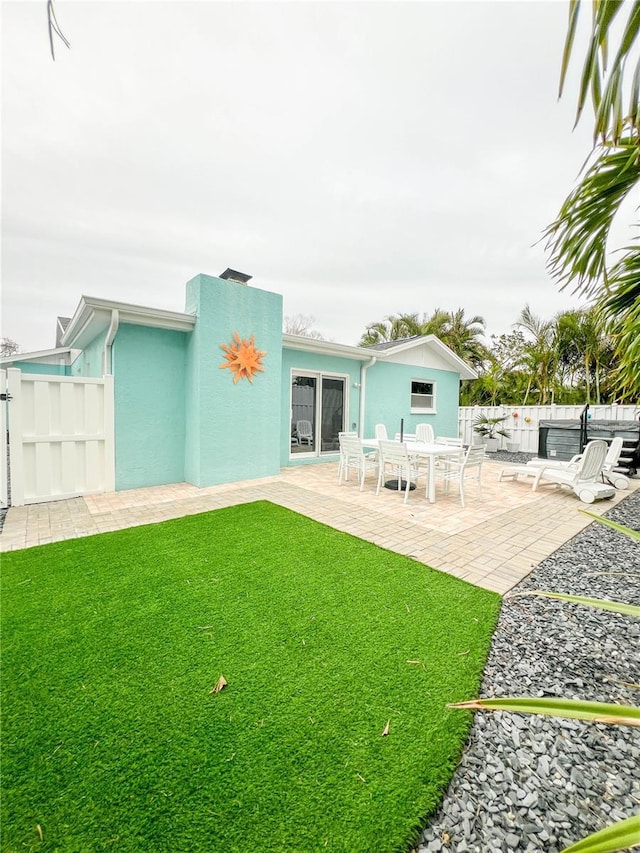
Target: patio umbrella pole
<point x="393" y="484"/>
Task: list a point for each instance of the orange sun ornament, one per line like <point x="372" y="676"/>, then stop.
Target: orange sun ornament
<point x="242" y="358"/>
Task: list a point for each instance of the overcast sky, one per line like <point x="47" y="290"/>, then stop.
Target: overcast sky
<point x="361" y="159"/>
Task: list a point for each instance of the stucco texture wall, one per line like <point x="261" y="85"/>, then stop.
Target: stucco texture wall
<point x="149" y="388"/>
<point x="233" y="429"/>
<point x="388" y="399"/>
<point x="89" y="362"/>
<point x="39" y="367"/>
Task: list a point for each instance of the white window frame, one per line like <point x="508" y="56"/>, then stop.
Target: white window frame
<point x="423" y="410"/>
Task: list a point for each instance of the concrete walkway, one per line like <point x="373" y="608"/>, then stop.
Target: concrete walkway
<point x="494" y="542"/>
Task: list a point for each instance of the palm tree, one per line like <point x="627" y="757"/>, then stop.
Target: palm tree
<point x="463" y="335"/>
<point x="582" y="347"/>
<point x="578" y="239"/>
<point x="540" y="355"/>
<point x="392" y="328"/>
<point x="460" y="334"/>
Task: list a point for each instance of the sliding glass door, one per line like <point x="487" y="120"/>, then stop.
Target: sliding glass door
<point x="317" y="412"/>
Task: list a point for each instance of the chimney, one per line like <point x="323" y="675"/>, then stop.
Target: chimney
<point x="234" y="275"/>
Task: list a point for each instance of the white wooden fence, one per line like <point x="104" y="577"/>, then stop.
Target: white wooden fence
<point x="61" y="436"/>
<point x="4" y="499"/>
<point x="522" y="421"/>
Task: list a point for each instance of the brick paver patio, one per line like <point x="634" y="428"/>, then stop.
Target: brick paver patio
<point x="493" y="542"/>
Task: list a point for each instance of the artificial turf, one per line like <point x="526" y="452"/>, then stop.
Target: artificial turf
<point x="113" y="740"/>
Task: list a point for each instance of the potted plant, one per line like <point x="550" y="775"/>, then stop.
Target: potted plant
<point x="489" y="430"/>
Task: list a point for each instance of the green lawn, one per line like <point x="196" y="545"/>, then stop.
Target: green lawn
<point x="112" y="739"/>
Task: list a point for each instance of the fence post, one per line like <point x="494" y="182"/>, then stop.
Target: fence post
<point x="109" y="435"/>
<point x="16" y="452"/>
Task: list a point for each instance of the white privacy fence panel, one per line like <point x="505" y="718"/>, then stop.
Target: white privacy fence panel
<point x="522" y="421"/>
<point x="4" y="483"/>
<point x="61" y="436"/>
<point x="303" y="403"/>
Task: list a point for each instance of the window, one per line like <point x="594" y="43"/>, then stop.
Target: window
<point x="423" y="396"/>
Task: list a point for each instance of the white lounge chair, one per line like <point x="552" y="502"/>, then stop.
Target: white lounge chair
<point x="584" y="477"/>
<point x="380" y="431"/>
<point x="609" y="474"/>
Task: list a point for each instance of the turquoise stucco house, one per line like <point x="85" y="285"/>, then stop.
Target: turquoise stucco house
<point x="219" y="394"/>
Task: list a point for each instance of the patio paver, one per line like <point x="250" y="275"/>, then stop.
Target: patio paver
<point x="493" y="542"/>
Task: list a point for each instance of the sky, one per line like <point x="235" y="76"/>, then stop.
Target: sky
<point x="362" y="159"/>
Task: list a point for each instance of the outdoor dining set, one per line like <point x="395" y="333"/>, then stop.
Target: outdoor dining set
<point x="402" y="462"/>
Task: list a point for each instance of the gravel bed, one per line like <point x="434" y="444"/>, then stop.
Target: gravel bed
<point x="519" y="458"/>
<point x="533" y="783"/>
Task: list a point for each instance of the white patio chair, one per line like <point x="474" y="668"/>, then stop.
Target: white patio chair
<point x="583" y="477"/>
<point x="341" y="463"/>
<point x="425" y="434"/>
<point x="467" y="466"/>
<point x="609" y="474"/>
<point x="394" y="461"/>
<point x="353" y="456"/>
<point x="449" y="440"/>
<point x="304" y="432"/>
<point x="380" y="431"/>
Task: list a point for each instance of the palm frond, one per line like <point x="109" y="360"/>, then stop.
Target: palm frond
<point x="618" y="836"/>
<point x="553" y="706"/>
<point x="577" y="239"/>
<point x="623" y="282"/>
<point x="602" y="81"/>
<point x="626" y="333"/>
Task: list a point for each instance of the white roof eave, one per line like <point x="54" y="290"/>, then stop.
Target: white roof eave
<point x="457" y="364"/>
<point x="94" y="315"/>
<point x="300" y="342"/>
<point x="58" y="352"/>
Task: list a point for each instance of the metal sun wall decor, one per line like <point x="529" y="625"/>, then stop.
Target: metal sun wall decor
<point x="242" y="358"/>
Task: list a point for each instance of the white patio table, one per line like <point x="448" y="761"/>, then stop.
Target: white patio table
<point x="429" y="451"/>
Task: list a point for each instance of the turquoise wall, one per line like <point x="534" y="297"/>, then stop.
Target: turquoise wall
<point x="309" y="361"/>
<point x="232" y="430"/>
<point x="39" y="367"/>
<point x="89" y="362"/>
<point x="149" y="386"/>
<point x="388" y="398"/>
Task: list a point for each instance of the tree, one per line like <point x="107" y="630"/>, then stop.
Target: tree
<point x="463" y="336"/>
<point x="300" y="324"/>
<point x="583" y="348"/>
<point x="459" y="333"/>
<point x="8" y="347"/>
<point x="540" y="355"/>
<point x="389" y="329"/>
<point x="578" y="239"/>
